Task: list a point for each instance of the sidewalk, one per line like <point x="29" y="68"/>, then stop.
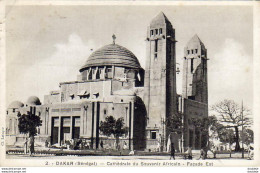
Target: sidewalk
<point x="40" y="152"/>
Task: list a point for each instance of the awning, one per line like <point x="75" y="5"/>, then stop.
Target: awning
<point x="95" y="93"/>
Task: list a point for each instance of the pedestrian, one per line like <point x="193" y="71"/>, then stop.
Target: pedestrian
<point x="190" y="153"/>
<point x="101" y="144"/>
<point x="158" y="146"/>
<point x="214" y="151"/>
<point x="87" y="145"/>
<point x="230" y="152"/>
<point x="46" y="143"/>
<point x="251" y="153"/>
<point x="125" y="145"/>
<point x="118" y="147"/>
<point x="201" y="154"/>
<point x="26" y="146"/>
<point x="172" y="152"/>
<point x="131" y="153"/>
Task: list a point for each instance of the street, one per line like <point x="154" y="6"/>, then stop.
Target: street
<point x="235" y="156"/>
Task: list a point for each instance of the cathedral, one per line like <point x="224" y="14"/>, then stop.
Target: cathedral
<point x="112" y="83"/>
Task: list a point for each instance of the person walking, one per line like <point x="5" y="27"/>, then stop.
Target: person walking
<point x="201" y="154"/>
<point x="101" y="144"/>
<point x="190" y="153"/>
<point x="172" y="151"/>
<point x="251" y="153"/>
<point x="214" y="151"/>
<point x="125" y="145"/>
<point x="26" y="146"/>
<point x="46" y="143"/>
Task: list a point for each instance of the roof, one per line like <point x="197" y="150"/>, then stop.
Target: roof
<point x="160" y="19"/>
<point x="15" y="105"/>
<point x="194" y="41"/>
<point x="33" y="100"/>
<point x="112" y="54"/>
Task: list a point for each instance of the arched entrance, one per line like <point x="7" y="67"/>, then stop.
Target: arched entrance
<point x="139" y="141"/>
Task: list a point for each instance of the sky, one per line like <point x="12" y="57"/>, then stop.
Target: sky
<point x="46" y="45"/>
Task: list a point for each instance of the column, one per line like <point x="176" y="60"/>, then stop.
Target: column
<point x="126" y="117"/>
<point x="97" y="124"/>
<point x="132" y="125"/>
<point x="71" y="127"/>
<point x="93" y="124"/>
<point x="113" y="72"/>
<point x="60" y="125"/>
<point x="82" y="121"/>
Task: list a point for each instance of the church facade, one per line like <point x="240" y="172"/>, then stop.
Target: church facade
<point x="112" y="83"/>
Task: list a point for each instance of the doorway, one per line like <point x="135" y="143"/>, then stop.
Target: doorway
<point x="55" y="130"/>
<point x="76" y="128"/>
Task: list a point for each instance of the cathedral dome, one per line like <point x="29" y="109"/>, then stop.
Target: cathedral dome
<point x="112" y="55"/>
<point x="15" y="105"/>
<point x="33" y="100"/>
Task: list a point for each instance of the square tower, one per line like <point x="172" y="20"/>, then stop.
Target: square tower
<point x="195" y="83"/>
<point x="160" y="79"/>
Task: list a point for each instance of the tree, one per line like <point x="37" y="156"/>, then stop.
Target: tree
<point x="174" y="123"/>
<point x="114" y="127"/>
<point x="219" y="130"/>
<point x="231" y="115"/>
<point x="202" y="124"/>
<point x="248" y="136"/>
<point x="226" y="135"/>
<point x="213" y="129"/>
<point x="27" y="124"/>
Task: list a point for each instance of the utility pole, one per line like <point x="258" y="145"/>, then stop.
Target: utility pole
<point x="242" y="136"/>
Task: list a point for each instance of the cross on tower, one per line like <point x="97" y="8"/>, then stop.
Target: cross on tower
<point x="114" y="38"/>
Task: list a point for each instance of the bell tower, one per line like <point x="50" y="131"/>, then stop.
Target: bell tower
<point x="195" y="82"/>
<point x="160" y="78"/>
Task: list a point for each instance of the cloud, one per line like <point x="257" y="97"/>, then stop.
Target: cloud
<point x="231" y="74"/>
<point x="44" y="76"/>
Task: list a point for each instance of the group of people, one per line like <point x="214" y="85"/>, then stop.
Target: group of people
<point x="83" y="144"/>
<point x="187" y="155"/>
<point x="117" y="145"/>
